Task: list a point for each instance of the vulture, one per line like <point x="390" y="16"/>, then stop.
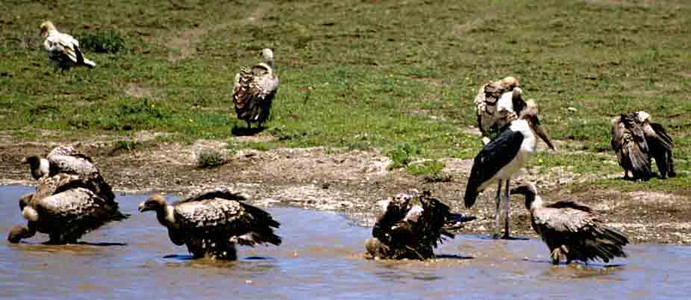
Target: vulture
<point x="571" y="230"/>
<point x="65" y="208"/>
<point x="659" y="144"/>
<point x="254" y="89"/>
<point x="411" y="226"/>
<point x="210" y="223"/>
<point x="498" y="103"/>
<point x="502" y="157"/>
<point x="63" y="49"/>
<point x="631" y="147"/>
<point x="67" y="160"/>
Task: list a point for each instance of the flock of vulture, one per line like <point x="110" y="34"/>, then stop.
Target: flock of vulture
<point x="72" y="197"/>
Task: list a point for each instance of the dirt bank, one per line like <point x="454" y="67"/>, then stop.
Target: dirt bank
<point x="348" y="181"/>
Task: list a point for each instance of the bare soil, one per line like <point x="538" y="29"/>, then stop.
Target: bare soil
<point x="352" y="182"/>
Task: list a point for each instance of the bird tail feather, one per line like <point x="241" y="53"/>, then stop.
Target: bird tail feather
<point x="89" y="63"/>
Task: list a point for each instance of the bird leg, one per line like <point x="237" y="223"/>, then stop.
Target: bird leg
<point x="498" y="210"/>
<point x="507" y="202"/>
<point x="555" y="256"/>
<point x="249" y="126"/>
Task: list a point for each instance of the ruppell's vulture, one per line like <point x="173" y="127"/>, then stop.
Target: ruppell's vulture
<point x="497" y="104"/>
<point x="254" y="90"/>
<point x="64" y="159"/>
<point x="629" y="143"/>
<point x="210" y="223"/>
<point x="411" y="226"/>
<point x="63" y="49"/>
<point x="660" y="144"/>
<point x="571" y="230"/>
<point x="64" y="208"/>
<point x="501" y="158"/>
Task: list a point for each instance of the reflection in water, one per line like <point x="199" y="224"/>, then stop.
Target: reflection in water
<point x="321" y="258"/>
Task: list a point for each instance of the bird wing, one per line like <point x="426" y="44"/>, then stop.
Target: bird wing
<point x="579" y="233"/>
<point x="617" y="133"/>
<point x="223" y="218"/>
<point x="253" y="88"/>
<point x="495" y="155"/>
<point x="660" y="136"/>
<point x="569" y="204"/>
<point x="205" y="194"/>
<point x="63" y="44"/>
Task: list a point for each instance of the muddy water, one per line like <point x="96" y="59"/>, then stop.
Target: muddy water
<point x="320" y="259"/>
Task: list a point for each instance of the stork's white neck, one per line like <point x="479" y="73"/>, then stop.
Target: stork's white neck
<point x="529" y="142"/>
<point x="505" y="102"/>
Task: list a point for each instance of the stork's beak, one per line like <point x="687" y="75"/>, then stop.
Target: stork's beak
<point x="143" y="207"/>
<point x="540" y="131"/>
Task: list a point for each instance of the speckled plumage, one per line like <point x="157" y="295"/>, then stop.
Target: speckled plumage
<point x="254" y="89"/>
<point x="629" y="143"/>
<point x="64" y="159"/>
<point x="571" y="230"/>
<point x="212" y="222"/>
<point x="62" y="208"/>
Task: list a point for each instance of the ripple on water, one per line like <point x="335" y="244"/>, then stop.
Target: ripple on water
<point x="321" y="258"/>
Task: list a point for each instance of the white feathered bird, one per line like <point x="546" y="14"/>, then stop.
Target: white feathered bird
<point x="63" y="49"/>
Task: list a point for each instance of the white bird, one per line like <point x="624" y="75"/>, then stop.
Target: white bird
<point x="63" y="49"/>
<point x="254" y="90"/>
<point x="501" y="158"/>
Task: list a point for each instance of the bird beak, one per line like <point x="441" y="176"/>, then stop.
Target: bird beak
<point x="540" y="131"/>
<point x="143" y="207"/>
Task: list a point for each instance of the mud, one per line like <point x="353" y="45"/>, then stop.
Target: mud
<point x="349" y="182"/>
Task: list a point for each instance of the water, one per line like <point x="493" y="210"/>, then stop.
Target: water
<point x="321" y="258"/>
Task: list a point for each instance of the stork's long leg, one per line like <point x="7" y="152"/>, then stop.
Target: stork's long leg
<point x="498" y="210"/>
<point x="507" y="202"/>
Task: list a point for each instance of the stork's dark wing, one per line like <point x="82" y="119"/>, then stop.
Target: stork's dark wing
<point x="495" y="155"/>
<point x="225" y="219"/>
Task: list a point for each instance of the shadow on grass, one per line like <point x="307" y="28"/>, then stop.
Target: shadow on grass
<point x="244" y="131"/>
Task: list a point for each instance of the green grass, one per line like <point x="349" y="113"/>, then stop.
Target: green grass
<point x="354" y="74"/>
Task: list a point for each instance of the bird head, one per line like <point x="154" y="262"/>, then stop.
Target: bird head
<point x="529" y="113"/>
<point x="16" y="233"/>
<point x="268" y="56"/>
<point x="510" y="82"/>
<point x="155" y="202"/>
<point x="32" y="161"/>
<point x="24" y="200"/>
<point x="528" y="190"/>
<point x="642" y="116"/>
<point x="47" y="27"/>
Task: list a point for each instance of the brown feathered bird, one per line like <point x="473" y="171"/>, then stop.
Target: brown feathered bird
<point x="497" y="104"/>
<point x="254" y="90"/>
<point x="210" y="223"/>
<point x="660" y="144"/>
<point x="64" y="159"/>
<point x="571" y="230"/>
<point x="412" y="226"/>
<point x="65" y="208"/>
<point x="631" y="147"/>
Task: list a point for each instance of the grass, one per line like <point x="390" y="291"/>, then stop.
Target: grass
<point x="209" y="158"/>
<point x="354" y="74"/>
